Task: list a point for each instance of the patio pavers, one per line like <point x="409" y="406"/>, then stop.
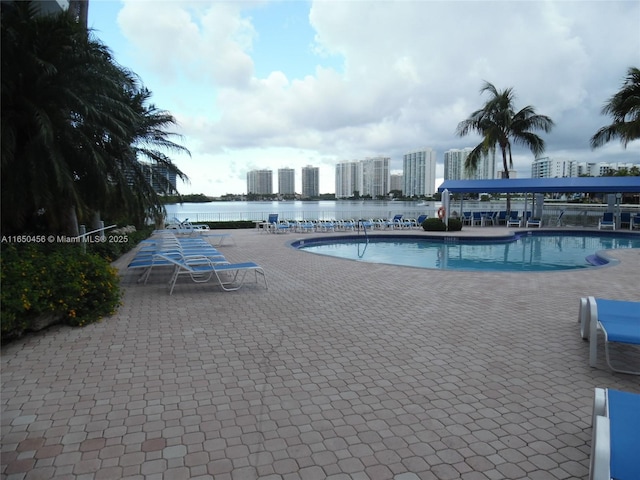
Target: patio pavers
<point x="340" y="370"/>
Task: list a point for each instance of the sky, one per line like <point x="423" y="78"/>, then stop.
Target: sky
<point x="260" y="84"/>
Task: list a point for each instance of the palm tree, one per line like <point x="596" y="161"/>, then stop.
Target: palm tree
<point x="73" y="123"/>
<point x="141" y="162"/>
<point x="500" y="126"/>
<point x="624" y="107"/>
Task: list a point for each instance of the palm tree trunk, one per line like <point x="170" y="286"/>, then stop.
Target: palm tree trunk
<point x="506" y="175"/>
<point x="72" y="222"/>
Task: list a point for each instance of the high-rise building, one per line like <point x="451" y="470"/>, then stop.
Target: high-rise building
<point x="375" y="177"/>
<point x="419" y="170"/>
<point x="396" y="182"/>
<point x="348" y="179"/>
<point x="547" y="167"/>
<point x="454" y="165"/>
<point x="260" y="182"/>
<point x="310" y="182"/>
<point x="161" y="179"/>
<point x="286" y="181"/>
<point x="454" y="160"/>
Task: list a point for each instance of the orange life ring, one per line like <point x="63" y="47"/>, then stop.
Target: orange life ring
<point x="441" y="213"/>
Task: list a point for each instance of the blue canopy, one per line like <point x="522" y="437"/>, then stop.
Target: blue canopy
<point x="545" y="185"/>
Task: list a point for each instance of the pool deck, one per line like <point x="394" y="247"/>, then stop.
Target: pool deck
<point x="340" y="370"/>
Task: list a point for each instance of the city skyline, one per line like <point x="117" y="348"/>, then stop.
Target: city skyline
<point x="273" y="84"/>
<point x="372" y="177"/>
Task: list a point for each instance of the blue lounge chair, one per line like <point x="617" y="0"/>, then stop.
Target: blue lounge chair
<point x="615" y="435"/>
<point x="607" y="221"/>
<point x="305" y="226"/>
<point x="501" y="219"/>
<point x="421" y="219"/>
<point x="534" y="222"/>
<point x="619" y="322"/>
<point x="276" y="226"/>
<point x="395" y="222"/>
<point x="514" y="220"/>
<point x="477" y="218"/>
<point x="625" y="220"/>
<point x="200" y="269"/>
<point x="156" y="256"/>
<point x="490" y="217"/>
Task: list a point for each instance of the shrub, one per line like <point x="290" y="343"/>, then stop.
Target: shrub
<point x="437" y="225"/>
<point x="118" y="242"/>
<point x="455" y="225"/>
<point x="434" y="225"/>
<point x="57" y="280"/>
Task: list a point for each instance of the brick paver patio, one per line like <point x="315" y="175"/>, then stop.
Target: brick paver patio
<point x="340" y="370"/>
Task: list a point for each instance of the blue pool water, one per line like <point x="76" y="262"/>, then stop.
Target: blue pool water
<point x="527" y="252"/>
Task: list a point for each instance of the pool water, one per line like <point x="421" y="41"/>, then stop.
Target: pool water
<point x="523" y="253"/>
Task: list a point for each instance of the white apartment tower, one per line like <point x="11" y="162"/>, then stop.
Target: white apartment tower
<point x="419" y="171"/>
<point x="286" y="181"/>
<point x="396" y="182"/>
<point x="547" y="167"/>
<point x="454" y="165"/>
<point x="310" y="182"/>
<point x="348" y="179"/>
<point x="376" y="176"/>
<point x="260" y="182"/>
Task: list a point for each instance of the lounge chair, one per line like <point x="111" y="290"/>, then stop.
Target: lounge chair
<point x="615" y="435"/>
<point x="607" y="221"/>
<point x="534" y="222"/>
<point x="635" y="221"/>
<point x="490" y="217"/>
<point x="477" y="218"/>
<point x="326" y="226"/>
<point x="420" y="220"/>
<point x="466" y="218"/>
<point x="305" y="226"/>
<point x="345" y="225"/>
<point x="395" y="222"/>
<point x="501" y="218"/>
<point x="619" y="322"/>
<point x="625" y="220"/>
<point x="151" y="255"/>
<point x="514" y="220"/>
<point x="276" y="226"/>
<point x="200" y="269"/>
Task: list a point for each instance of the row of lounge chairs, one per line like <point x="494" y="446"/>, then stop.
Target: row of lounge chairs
<point x="186" y="228"/>
<point x="615" y="443"/>
<point x="509" y="219"/>
<point x="627" y="220"/>
<point x="273" y="225"/>
<point x="194" y="258"/>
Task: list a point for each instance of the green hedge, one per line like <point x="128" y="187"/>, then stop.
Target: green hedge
<point x="437" y="225"/>
<point x="59" y="280"/>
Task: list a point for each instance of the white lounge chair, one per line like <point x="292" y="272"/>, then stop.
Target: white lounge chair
<point x="615" y="435"/>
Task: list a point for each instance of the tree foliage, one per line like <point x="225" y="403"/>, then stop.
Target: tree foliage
<point x="501" y="126"/>
<point x="624" y="107"/>
<point x="74" y="125"/>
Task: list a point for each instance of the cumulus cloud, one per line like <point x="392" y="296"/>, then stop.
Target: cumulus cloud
<point x="410" y="72"/>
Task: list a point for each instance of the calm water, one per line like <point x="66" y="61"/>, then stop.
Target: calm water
<point x="529" y="253"/>
<point x="314" y="210"/>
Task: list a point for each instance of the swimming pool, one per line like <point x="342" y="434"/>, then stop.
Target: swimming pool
<point x="519" y="252"/>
